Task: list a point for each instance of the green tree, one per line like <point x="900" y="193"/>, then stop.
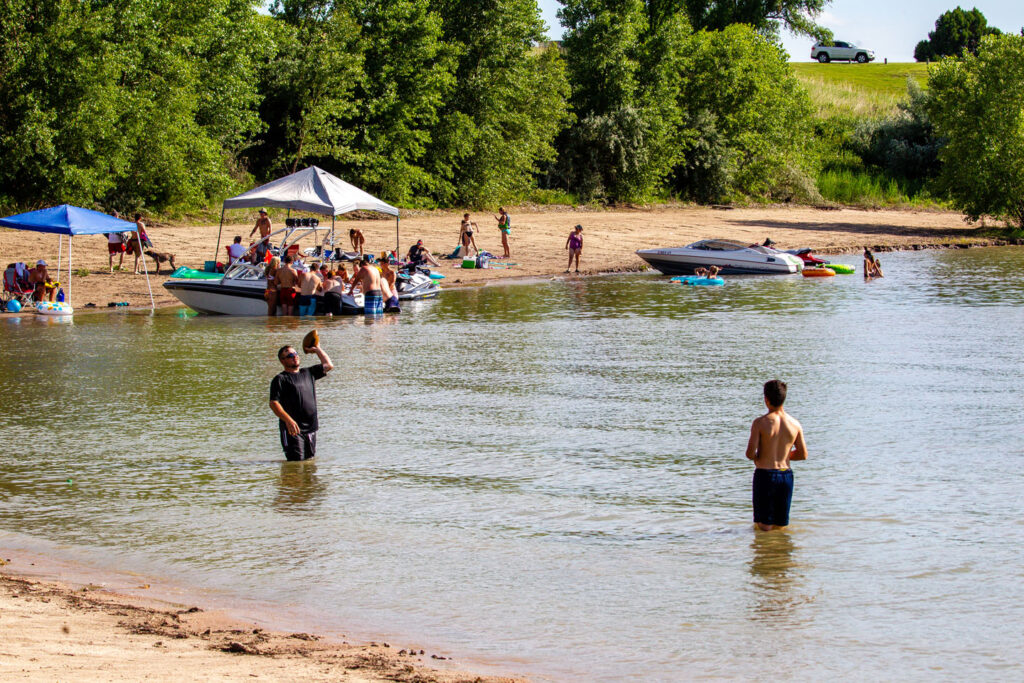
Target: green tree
<point x="499" y="124"/>
<point x="407" y="75"/>
<point x="765" y="16"/>
<point x="308" y="88"/>
<point x="977" y="105"/>
<point x="124" y="103"/>
<point x="746" y="120"/>
<point x="955" y="31"/>
<point x="620" y="60"/>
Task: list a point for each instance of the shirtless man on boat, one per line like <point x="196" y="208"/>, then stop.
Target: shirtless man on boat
<point x="775" y="440"/>
<point x="263" y="225"/>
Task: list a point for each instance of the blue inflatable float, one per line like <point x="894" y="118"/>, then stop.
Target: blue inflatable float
<point x="699" y="281"/>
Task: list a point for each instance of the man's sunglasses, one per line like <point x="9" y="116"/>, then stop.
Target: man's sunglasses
<point x="290" y="354"/>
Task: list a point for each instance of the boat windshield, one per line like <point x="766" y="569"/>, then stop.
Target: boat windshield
<point x="718" y="245"/>
<point x="244" y="271"/>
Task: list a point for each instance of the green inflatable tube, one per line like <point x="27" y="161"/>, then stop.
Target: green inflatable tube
<point x="840" y="268"/>
<point x="184" y="273"/>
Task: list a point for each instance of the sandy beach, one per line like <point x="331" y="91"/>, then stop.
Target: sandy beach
<point x="538" y="241"/>
<point x="73" y="631"/>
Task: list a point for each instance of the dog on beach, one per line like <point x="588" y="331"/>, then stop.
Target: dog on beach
<point x="161" y="257"/>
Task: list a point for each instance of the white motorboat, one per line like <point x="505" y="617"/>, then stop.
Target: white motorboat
<point x="732" y="258"/>
<point x="239" y="292"/>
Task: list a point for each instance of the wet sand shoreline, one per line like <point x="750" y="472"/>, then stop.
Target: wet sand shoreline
<point x="59" y="629"/>
<point x="611" y="238"/>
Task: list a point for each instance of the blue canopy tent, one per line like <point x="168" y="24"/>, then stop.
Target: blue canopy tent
<point x="71" y="220"/>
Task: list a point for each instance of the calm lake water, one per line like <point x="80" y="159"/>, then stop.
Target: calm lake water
<point x="550" y="477"/>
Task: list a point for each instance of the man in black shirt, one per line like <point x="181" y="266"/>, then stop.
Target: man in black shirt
<point x="293" y="400"/>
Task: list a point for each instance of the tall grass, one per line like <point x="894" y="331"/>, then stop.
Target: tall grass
<point x="860" y="90"/>
<point x="861" y="187"/>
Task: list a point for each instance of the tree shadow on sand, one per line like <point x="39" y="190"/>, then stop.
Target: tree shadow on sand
<point x="885" y="229"/>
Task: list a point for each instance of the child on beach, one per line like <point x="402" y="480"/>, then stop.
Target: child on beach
<point x="574" y="244"/>
<point x="775" y="440"/>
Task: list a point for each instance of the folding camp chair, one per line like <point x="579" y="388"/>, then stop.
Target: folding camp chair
<point x="16" y="288"/>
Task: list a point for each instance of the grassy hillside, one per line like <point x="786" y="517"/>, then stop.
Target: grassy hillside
<point x="864" y="90"/>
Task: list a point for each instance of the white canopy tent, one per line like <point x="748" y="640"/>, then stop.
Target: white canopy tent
<point x="311" y="189"/>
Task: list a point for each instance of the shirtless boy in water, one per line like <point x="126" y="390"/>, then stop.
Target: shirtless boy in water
<point x="775" y="440"/>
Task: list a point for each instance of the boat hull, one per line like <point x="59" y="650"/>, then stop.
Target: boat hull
<point x="239" y="298"/>
<point x="670" y="263"/>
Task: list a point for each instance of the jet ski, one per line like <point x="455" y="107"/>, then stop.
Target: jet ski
<point x="415" y="283"/>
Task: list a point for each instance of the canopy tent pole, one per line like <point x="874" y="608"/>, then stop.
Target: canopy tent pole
<point x="60" y="247"/>
<point x="219" y="231"/>
<point x="145" y="269"/>
<point x="70" y="240"/>
<point x="398" y="245"/>
<point x="334" y="247"/>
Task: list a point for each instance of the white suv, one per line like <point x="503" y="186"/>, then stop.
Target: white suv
<point x="841" y="51"/>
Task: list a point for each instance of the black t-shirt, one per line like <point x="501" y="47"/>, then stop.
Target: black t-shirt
<point x="296" y="393"/>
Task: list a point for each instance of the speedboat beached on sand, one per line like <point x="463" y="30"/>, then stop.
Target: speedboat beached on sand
<point x="731" y="257"/>
<point x="239" y="292"/>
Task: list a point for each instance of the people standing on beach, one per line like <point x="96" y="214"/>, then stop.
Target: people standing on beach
<point x="270" y="293"/>
<point x="505" y="226"/>
<point x="775" y="440"/>
<point x="367" y="279"/>
<point x="287" y="285"/>
<point x="872" y="268"/>
<point x="575" y="246"/>
<point x="138" y="238"/>
<point x="263" y="225"/>
<point x="293" y="400"/>
<point x="115" y="246"/>
<point x="355" y="235"/>
<point x="466" y="235"/>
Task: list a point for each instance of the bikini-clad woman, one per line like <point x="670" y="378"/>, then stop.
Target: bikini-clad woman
<point x="505" y="226"/>
<point x="270" y="294"/>
<point x="466" y="235"/>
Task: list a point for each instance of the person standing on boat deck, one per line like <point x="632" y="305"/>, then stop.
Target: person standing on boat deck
<point x="575" y="246"/>
<point x="263" y="225"/>
<point x="293" y="400"/>
<point x="775" y="440"/>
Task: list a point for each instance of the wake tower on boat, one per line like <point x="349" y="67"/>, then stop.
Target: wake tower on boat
<point x="313" y="190"/>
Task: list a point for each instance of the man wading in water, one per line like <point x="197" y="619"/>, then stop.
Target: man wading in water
<point x="293" y="400"/>
<point x="775" y="440"/>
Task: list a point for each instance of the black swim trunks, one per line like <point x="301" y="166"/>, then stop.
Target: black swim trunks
<point x="773" y="493"/>
<point x="301" y="447"/>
